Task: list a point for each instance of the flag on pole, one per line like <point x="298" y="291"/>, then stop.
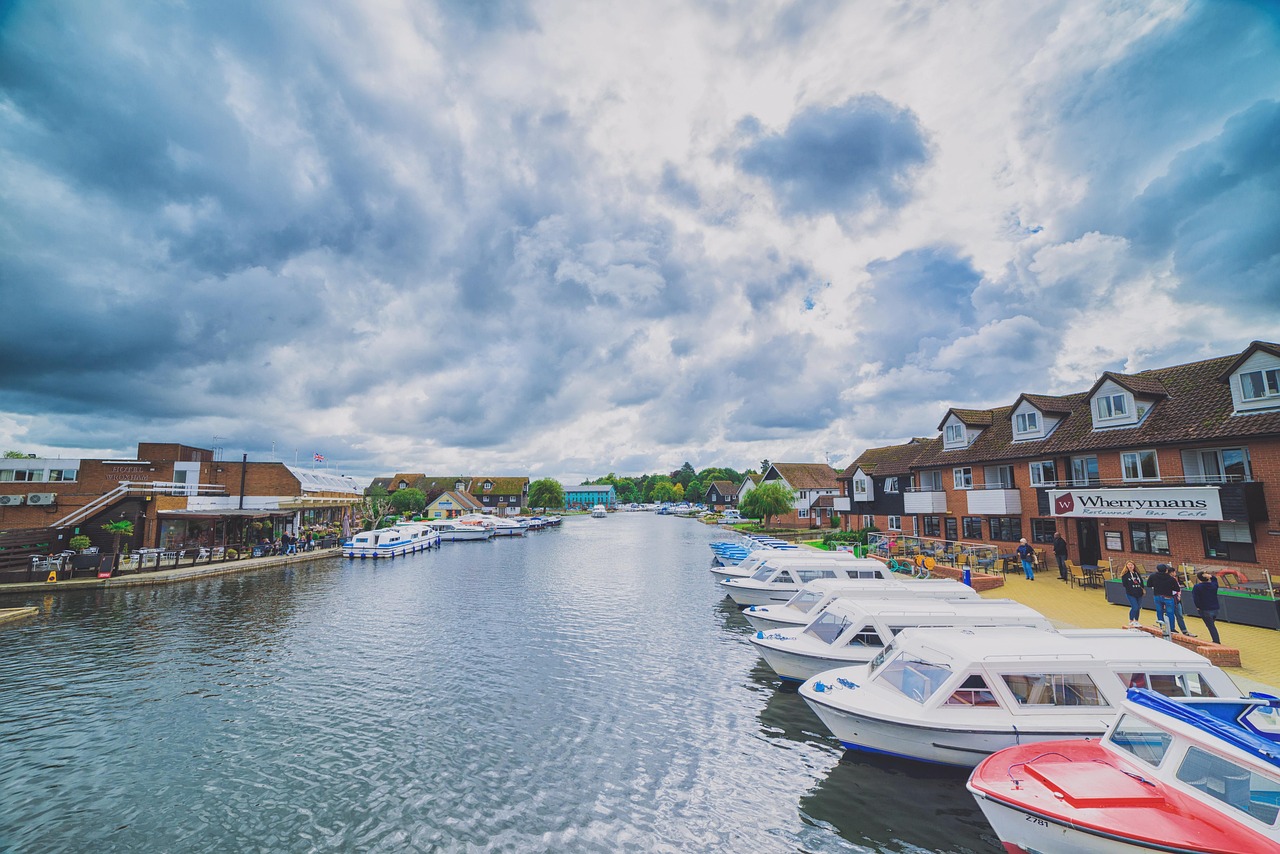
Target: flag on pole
<point x="319" y="458"/>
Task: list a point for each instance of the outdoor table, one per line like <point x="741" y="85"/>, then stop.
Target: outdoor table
<point x="1093" y="574"/>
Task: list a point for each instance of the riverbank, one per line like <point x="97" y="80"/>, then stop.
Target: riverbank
<point x="166" y="576"/>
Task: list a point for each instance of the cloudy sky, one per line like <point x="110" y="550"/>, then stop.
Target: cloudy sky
<point x="569" y="238"/>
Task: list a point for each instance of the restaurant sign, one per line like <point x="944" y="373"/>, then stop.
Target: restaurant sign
<point x="1183" y="502"/>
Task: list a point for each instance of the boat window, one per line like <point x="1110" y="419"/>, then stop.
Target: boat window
<point x="1169" y="684"/>
<point x="783" y="577"/>
<point x="1141" y="738"/>
<point x="1054" y="689"/>
<point x="827" y="627"/>
<point x="884" y="654"/>
<point x="805" y="599"/>
<point x="974" y="691"/>
<point x="913" y="677"/>
<point x="762" y="574"/>
<point x="1232" y="784"/>
<point x="865" y="573"/>
<point x="866" y="637"/>
<point x="807" y="575"/>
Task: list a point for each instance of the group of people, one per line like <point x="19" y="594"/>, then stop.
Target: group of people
<point x="1167" y="588"/>
<point x="287" y="544"/>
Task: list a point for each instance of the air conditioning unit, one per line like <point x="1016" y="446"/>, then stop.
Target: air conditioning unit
<point x="11" y="500"/>
<point x="41" y="497"/>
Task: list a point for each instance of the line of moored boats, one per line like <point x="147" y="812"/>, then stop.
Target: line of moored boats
<point x="405" y="538"/>
<point x="1079" y="740"/>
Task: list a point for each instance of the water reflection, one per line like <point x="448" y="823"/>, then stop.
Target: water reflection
<point x="891" y="804"/>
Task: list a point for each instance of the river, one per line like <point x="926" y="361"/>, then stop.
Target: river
<point x="579" y="689"/>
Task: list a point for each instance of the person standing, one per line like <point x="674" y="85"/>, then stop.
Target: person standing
<point x="1060" y="552"/>
<point x="1177" y="605"/>
<point x="1205" y="597"/>
<point x="1163" y="586"/>
<point x="1133" y="591"/>
<point x="1026" y="556"/>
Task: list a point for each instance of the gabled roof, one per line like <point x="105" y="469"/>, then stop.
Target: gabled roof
<point x="889" y="461"/>
<point x="724" y="487"/>
<point x="1264" y="346"/>
<point x="1052" y="404"/>
<point x="442" y="483"/>
<point x="461" y="499"/>
<point x="410" y="478"/>
<point x="806" y="475"/>
<point x="753" y="479"/>
<point x="1141" y="385"/>
<point x="384" y="482"/>
<point x="501" y="485"/>
<point x="968" y="417"/>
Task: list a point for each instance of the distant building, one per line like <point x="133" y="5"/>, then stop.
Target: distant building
<point x="451" y="504"/>
<point x="810" y="482"/>
<point x="586" y="497"/>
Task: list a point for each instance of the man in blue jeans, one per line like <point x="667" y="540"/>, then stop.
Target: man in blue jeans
<point x="1163" y="586"/>
<point x="1027" y="557"/>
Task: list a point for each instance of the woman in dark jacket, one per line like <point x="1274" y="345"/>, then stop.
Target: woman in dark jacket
<point x="1205" y="595"/>
<point x="1133" y="591"/>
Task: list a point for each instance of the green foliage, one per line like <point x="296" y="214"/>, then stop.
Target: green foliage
<point x="546" y="492"/>
<point x="14" y="455"/>
<point x="858" y="537"/>
<point x="78" y="543"/>
<point x="693" y="493"/>
<point x="118" y="530"/>
<point x="664" y="490"/>
<point x="685" y="475"/>
<point x="766" y="501"/>
<point x="372" y="509"/>
<point x="377" y="490"/>
<point x="408" y="500"/>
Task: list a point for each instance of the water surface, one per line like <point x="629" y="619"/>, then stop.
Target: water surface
<point x="580" y="689"/>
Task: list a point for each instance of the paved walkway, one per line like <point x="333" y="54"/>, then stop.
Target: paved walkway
<point x="185" y="572"/>
<point x="1087" y="608"/>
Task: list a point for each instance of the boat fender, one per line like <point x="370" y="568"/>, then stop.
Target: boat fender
<point x="820" y="687"/>
<point x="759" y="635"/>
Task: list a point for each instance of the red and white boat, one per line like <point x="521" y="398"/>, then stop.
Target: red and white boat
<point x="1170" y="776"/>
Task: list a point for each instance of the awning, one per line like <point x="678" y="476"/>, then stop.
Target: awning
<point x="219" y="514"/>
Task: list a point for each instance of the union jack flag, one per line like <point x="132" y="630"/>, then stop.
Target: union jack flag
<point x="319" y="458"/>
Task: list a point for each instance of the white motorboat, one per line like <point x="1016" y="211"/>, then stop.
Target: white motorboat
<point x="501" y="527"/>
<point x="955" y="696"/>
<point x="751" y="564"/>
<point x="1170" y="776"/>
<point x="777" y="581"/>
<point x="599" y="512"/>
<point x="405" y="538"/>
<point x="854" y="631"/>
<point x="811" y="599"/>
<point x="452" y="530"/>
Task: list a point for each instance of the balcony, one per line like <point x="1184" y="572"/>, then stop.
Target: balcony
<point x="994" y="502"/>
<point x="915" y="502"/>
<point x="843" y="504"/>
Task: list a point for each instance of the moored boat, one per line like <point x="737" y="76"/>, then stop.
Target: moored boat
<point x="405" y="538"/>
<point x="955" y="696"/>
<point x="811" y="599"/>
<point x="777" y="581"/>
<point x="451" y="530"/>
<point x="599" y="512"/>
<point x="1169" y="776"/>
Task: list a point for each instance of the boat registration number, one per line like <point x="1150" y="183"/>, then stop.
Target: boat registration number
<point x="1038" y="821"/>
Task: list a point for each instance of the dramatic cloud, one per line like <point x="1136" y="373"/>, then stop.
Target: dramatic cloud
<point x="566" y="239"/>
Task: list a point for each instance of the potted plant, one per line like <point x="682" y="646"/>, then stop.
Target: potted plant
<point x="78" y="543"/>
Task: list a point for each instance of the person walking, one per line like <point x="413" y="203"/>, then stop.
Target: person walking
<point x="1060" y="552"/>
<point x="1026" y="556"/>
<point x="1133" y="591"/>
<point x="1205" y="597"/>
<point x="1177" y="605"/>
<point x="1163" y="585"/>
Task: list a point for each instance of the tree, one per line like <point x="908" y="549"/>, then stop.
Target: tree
<point x="766" y="501"/>
<point x="546" y="492"/>
<point x="685" y="475"/>
<point x="663" y="491"/>
<point x="764" y="466"/>
<point x="14" y="455"/>
<point x="118" y="529"/>
<point x="373" y="509"/>
<point x="693" y="492"/>
<point x="408" y="500"/>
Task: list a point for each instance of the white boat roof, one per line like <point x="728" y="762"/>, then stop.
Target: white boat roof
<point x="835" y="585"/>
<point x="1014" y="644"/>
<point x="858" y="609"/>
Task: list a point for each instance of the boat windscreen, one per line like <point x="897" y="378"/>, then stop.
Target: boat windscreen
<point x="804" y="600"/>
<point x="914" y="677"/>
<point x="827" y="627"/>
<point x="1142" y="738"/>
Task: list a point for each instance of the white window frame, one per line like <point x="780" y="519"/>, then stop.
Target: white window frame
<point x="998" y="477"/>
<point x="859" y="486"/>
<point x="1268" y="379"/>
<point x="895" y="523"/>
<point x="803" y="513"/>
<point x="1137" y="457"/>
<point x="1110" y="411"/>
<point x="1027" y="422"/>
<point x="954" y="434"/>
<point x="1036" y="470"/>
<point x="934" y="479"/>
<point x="890" y="484"/>
<point x="962" y="477"/>
<point x="868" y="521"/>
<point x="1076" y="479"/>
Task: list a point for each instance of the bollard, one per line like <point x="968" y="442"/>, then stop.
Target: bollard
<point x="968" y="579"/>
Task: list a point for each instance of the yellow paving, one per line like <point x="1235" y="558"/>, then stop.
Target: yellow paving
<point x="1087" y="608"/>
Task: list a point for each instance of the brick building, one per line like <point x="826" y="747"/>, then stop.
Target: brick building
<point x="1176" y="464"/>
<point x="811" y="483"/>
<point x="176" y="495"/>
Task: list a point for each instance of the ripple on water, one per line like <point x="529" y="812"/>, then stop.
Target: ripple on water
<point x="583" y="689"/>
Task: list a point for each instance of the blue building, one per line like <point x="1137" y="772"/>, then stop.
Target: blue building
<point x="586" y="497"/>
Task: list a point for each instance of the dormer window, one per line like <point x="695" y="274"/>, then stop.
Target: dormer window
<point x="1111" y="406"/>
<point x="955" y="434"/>
<point x="404" y="484"/>
<point x="860" y="487"/>
<point x="1027" y="422"/>
<point x="488" y="485"/>
<point x="1260" y="385"/>
<point x="457" y="485"/>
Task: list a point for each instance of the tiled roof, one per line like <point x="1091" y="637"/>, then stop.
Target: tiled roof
<point x="968" y="417"/>
<point x="891" y="460"/>
<point x="724" y="487"/>
<point x="807" y="475"/>
<point x="501" y="485"/>
<point x="1142" y="385"/>
<point x="1264" y="346"/>
<point x="1056" y="404"/>
<point x="824" y="501"/>
<point x="1196" y="407"/>
<point x="460" y="499"/>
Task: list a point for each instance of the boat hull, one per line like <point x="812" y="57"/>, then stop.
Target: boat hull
<point x="408" y="547"/>
<point x="795" y="667"/>
<point x="956" y="747"/>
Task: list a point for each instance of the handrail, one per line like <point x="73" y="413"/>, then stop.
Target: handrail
<point x="127" y="487"/>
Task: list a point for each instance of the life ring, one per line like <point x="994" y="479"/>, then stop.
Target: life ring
<point x="1237" y="577"/>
